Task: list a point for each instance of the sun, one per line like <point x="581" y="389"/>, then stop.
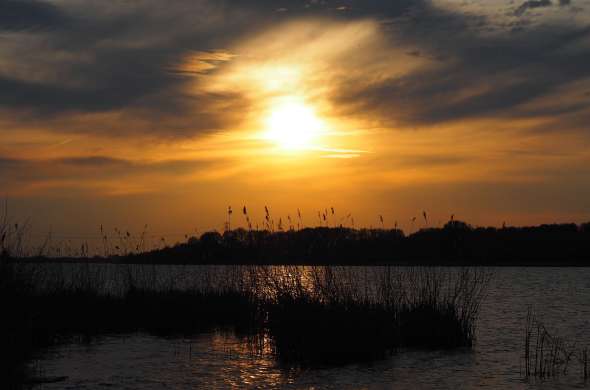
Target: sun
<point x="293" y="125"/>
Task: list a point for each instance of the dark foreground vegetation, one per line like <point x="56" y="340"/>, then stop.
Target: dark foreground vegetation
<point x="547" y="355"/>
<point x="457" y="243"/>
<point x="303" y="316"/>
<point x="323" y="312"/>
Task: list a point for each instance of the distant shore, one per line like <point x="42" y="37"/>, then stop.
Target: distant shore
<point x="132" y="260"/>
<point x="455" y="244"/>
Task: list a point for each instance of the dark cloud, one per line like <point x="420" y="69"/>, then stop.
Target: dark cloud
<point x="531" y="4"/>
<point x="8" y="163"/>
<point x="18" y="15"/>
<point x="94" y="161"/>
<point x="116" y="58"/>
<point x="115" y="61"/>
<point x="48" y="99"/>
<point x="18" y="173"/>
<point x="431" y="160"/>
<point x="104" y="58"/>
<point x="478" y="74"/>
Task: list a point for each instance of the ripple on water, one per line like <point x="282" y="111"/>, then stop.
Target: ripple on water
<point x="218" y="361"/>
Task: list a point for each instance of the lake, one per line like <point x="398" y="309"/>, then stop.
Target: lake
<point x="560" y="297"/>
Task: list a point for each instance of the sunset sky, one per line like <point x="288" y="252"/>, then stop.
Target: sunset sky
<point x="126" y="113"/>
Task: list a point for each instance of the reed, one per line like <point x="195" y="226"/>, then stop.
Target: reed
<point x="305" y="315"/>
<point x="326" y="314"/>
<point x="548" y="356"/>
<point x="302" y="315"/>
<point x="16" y="341"/>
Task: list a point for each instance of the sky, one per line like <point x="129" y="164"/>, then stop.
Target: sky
<point x="127" y="113"/>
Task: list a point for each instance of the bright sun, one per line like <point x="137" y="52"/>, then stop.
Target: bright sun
<point x="293" y="125"/>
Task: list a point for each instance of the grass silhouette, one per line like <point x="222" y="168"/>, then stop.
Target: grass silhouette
<point x="547" y="355"/>
<point x="308" y="316"/>
<point x="318" y="314"/>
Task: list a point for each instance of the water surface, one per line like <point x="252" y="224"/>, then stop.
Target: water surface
<point x="560" y="296"/>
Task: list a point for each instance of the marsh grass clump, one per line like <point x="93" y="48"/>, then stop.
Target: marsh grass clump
<point x="327" y="315"/>
<point x="304" y="331"/>
<point x="302" y="315"/>
<point x="137" y="298"/>
<point x="44" y="305"/>
<point x="16" y="325"/>
<point x="87" y="314"/>
<point x="311" y="317"/>
<point x="442" y="306"/>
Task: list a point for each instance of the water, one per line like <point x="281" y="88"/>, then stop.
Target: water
<point x="561" y="297"/>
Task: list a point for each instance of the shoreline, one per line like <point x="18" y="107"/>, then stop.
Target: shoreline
<point x="102" y="260"/>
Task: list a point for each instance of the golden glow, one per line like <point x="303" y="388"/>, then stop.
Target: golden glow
<point x="293" y="125"/>
<point x="288" y="117"/>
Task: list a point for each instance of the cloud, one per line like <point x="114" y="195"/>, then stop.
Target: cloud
<point x="146" y="69"/>
<point x="26" y="15"/>
<point x="431" y="160"/>
<point x="109" y="60"/>
<point x="93" y="161"/>
<point x="474" y="75"/>
<point x="23" y="176"/>
<point x="482" y="105"/>
<point x="531" y="4"/>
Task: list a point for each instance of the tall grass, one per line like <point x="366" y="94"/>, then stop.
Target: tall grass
<point x="546" y="355"/>
<point x="16" y="336"/>
<point x="300" y="315"/>
<point x="329" y="314"/>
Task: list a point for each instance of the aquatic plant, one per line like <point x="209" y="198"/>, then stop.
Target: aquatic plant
<point x="306" y="315"/>
<point x="332" y="314"/>
<point x="546" y="355"/>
